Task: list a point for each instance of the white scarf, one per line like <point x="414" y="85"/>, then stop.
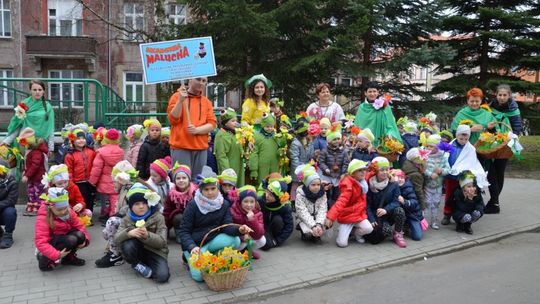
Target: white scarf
<point x="375" y="186"/>
<point x="467" y="160"/>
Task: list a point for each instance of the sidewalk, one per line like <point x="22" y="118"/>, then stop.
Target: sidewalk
<point x="295" y="265"/>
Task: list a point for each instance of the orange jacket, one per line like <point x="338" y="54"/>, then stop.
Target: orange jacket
<point x="201" y="112"/>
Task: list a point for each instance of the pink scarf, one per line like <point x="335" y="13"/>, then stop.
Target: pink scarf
<point x="180" y="199"/>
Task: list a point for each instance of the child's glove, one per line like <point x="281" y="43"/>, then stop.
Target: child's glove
<point x="466" y="218"/>
<point x="476" y="215"/>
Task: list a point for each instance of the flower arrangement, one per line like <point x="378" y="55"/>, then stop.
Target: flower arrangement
<point x="11" y="155"/>
<point x="283" y="138"/>
<point x="389" y="144"/>
<point x="244" y="137"/>
<point x="226" y="260"/>
<point x="20" y="110"/>
<point x="467" y="122"/>
<point x="492" y="140"/>
<point x="85" y="220"/>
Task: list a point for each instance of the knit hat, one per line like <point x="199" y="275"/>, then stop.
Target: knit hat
<point x="64" y="132"/>
<point x="227" y="114"/>
<point x="228" y="176"/>
<point x="325" y="122"/>
<point x="279" y="191"/>
<point x="99" y="134"/>
<point x="183" y="169"/>
<point x="207" y="178"/>
<point x="277" y="101"/>
<point x="247" y="191"/>
<point x="463" y="129"/>
<point x="446" y="134"/>
<point x="306" y="174"/>
<point x="56" y="197"/>
<point x="140" y="193"/>
<point x="112" y="137"/>
<point x="165" y="131"/>
<point x="418" y="155"/>
<point x="256" y="78"/>
<point x="466" y="177"/>
<point x="57" y="173"/>
<point x="151" y="122"/>
<point x="26" y="137"/>
<point x="356" y="165"/>
<point x="380" y="162"/>
<point x="366" y="134"/>
<point x="397" y="173"/>
<point x="410" y="126"/>
<point x="134" y="131"/>
<point x="76" y="133"/>
<point x="268" y="120"/>
<point x="301" y="126"/>
<point x="335" y="132"/>
<point x="433" y="139"/>
<point x="124" y="172"/>
<point x="161" y="166"/>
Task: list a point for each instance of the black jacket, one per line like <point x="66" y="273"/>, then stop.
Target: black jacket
<point x="9" y="193"/>
<point x="411" y="205"/>
<point x="462" y="206"/>
<point x="149" y="152"/>
<point x="286" y="214"/>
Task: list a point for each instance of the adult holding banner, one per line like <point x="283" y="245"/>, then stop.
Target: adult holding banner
<point x="192" y="118"/>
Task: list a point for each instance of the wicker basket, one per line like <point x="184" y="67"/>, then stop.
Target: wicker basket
<point x="503" y="151"/>
<point x="392" y="156"/>
<point x="224" y="280"/>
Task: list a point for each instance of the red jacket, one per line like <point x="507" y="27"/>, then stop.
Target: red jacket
<point x="79" y="164"/>
<point x="100" y="176"/>
<point x="43" y="233"/>
<point x="34" y="164"/>
<point x="256" y="224"/>
<point x="75" y="196"/>
<point x="350" y="206"/>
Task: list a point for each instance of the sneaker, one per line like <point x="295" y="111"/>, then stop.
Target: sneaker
<point x="399" y="240"/>
<point x="109" y="260"/>
<point x="72" y="259"/>
<point x="6" y="241"/>
<point x="143" y="270"/>
<point x="360" y="239"/>
<point x="446" y="220"/>
<point x="492" y="208"/>
<point x="435" y="226"/>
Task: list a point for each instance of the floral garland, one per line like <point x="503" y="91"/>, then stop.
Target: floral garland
<point x="283" y="138"/>
<point x="246" y="140"/>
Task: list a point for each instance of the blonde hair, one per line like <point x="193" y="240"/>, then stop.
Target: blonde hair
<point x="50" y="218"/>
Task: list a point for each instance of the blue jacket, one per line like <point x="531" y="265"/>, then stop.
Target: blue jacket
<point x="364" y="155"/>
<point x="511" y="105"/>
<point x="319" y="143"/>
<point x="409" y="141"/>
<point x="286" y="214"/>
<point x="196" y="225"/>
<point x="390" y="201"/>
<point x="411" y="205"/>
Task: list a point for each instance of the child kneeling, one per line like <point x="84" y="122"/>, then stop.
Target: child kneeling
<point x="142" y="235"/>
<point x="246" y="211"/>
<point x="468" y="203"/>
<point x="311" y="206"/>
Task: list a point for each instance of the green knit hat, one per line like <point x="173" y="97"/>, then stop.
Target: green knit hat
<point x="227" y="114"/>
<point x="356" y="165"/>
<point x="228" y="176"/>
<point x="268" y="120"/>
<point x="335" y="132"/>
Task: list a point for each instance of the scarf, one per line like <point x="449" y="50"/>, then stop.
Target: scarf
<point x="180" y="199"/>
<point x="479" y="116"/>
<point x="35" y="119"/>
<point x="380" y="122"/>
<point x="375" y="186"/>
<point x="163" y="190"/>
<point x="313" y="197"/>
<point x="467" y="160"/>
<point x="64" y="217"/>
<point x="135" y="217"/>
<point x="207" y="205"/>
<point x="364" y="186"/>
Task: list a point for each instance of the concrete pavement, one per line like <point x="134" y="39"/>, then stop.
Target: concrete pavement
<point x="295" y="265"/>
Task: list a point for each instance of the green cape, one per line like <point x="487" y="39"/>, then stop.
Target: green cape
<point x="35" y="119"/>
<point x="380" y="122"/>
<point x="480" y="116"/>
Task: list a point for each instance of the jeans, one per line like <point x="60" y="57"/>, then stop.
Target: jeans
<point x="416" y="229"/>
<point x="8" y="218"/>
<point x="134" y="253"/>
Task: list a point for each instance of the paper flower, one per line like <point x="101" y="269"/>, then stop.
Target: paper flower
<point x="355" y="130"/>
<point x="123" y="176"/>
<point x="467" y="122"/>
<point x="378" y="103"/>
<point x="486" y="107"/>
<point x="140" y="223"/>
<point x="445" y="147"/>
<point x="85" y="220"/>
<point x="20" y="110"/>
<point x="284" y="197"/>
<point x="431" y="116"/>
<point x="71" y="136"/>
<point x="152" y="198"/>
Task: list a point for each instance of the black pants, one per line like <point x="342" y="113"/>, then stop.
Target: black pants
<point x="69" y="241"/>
<point x="496" y="179"/>
<point x="134" y="252"/>
<point x="89" y="194"/>
<point x="332" y="195"/>
<point x="271" y="230"/>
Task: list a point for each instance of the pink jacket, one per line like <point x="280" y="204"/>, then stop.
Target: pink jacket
<point x="176" y="203"/>
<point x="43" y="233"/>
<point x="256" y="223"/>
<point x="133" y="152"/>
<point x="100" y="176"/>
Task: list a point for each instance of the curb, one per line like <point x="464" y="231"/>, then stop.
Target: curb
<point x="400" y="261"/>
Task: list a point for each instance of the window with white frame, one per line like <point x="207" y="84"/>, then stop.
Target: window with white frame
<point x="346" y="82"/>
<point x="133" y="19"/>
<point x="67" y="94"/>
<point x="65" y="18"/>
<point x="5" y="19"/>
<point x="217" y="94"/>
<point x="133" y="86"/>
<point x="6" y="96"/>
<point x="177" y="13"/>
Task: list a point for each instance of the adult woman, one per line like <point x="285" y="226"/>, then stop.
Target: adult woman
<point x="256" y="103"/>
<point x="481" y="118"/>
<point x="39" y="116"/>
<point x="503" y="107"/>
<point x="325" y="107"/>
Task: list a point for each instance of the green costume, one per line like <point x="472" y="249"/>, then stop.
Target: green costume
<point x="379" y="121"/>
<point x="479" y="116"/>
<point x="228" y="154"/>
<point x="265" y="157"/>
<point x="35" y="119"/>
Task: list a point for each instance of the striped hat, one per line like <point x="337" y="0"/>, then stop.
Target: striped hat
<point x="161" y="166"/>
<point x="228" y="176"/>
<point x="177" y="168"/>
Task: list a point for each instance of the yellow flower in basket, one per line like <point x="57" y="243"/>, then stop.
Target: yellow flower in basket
<point x="487" y="137"/>
<point x="226" y="260"/>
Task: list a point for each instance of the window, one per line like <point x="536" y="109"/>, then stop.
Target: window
<point x="177" y="14"/>
<point x="65" y="18"/>
<point x="5" y="19"/>
<point x="6" y="96"/>
<point x="134" y="19"/>
<point x="133" y="86"/>
<point x="67" y="94"/>
<point x="346" y="82"/>
<point x="217" y="94"/>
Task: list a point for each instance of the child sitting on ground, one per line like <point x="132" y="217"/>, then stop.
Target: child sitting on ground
<point x="227" y="183"/>
<point x="246" y="211"/>
<point x="277" y="213"/>
<point x="159" y="179"/>
<point x="310" y="204"/>
<point x="409" y="202"/>
<point x="468" y="205"/>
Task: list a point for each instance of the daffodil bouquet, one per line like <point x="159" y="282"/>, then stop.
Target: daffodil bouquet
<point x="245" y="137"/>
<point x="488" y="141"/>
<point x="283" y="138"/>
<point x="389" y="144"/>
<point x="226" y="260"/>
<point x="11" y="155"/>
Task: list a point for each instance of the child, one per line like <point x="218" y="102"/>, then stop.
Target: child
<point x="58" y="176"/>
<point x="207" y="211"/>
<point x="9" y="193"/>
<point x="246" y="211"/>
<point x="300" y="152"/>
<point x="58" y="232"/>
<point x="151" y="149"/>
<point x="227" y="150"/>
<point x="364" y="150"/>
<point x="142" y="235"/>
<point x="320" y="142"/>
<point x="179" y="196"/>
<point x="409" y="138"/>
<point x="265" y="157"/>
<point x="437" y="168"/>
<point x="468" y="205"/>
<point x="227" y="183"/>
<point x="165" y="135"/>
<point x="350" y="208"/>
<point x="414" y="167"/>
<point x="124" y="176"/>
<point x="34" y="168"/>
<point x="106" y="157"/>
<point x="133" y="135"/>
<point x="79" y="161"/>
<point x="333" y="162"/>
<point x="159" y="179"/>
<point x="409" y="203"/>
<point x="65" y="146"/>
<point x="277" y="214"/>
<point x="311" y="204"/>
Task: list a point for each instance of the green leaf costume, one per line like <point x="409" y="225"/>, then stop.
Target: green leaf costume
<point x="380" y="122"/>
<point x="265" y="157"/>
<point x="35" y="119"/>
<point x="479" y="116"/>
<point x="228" y="154"/>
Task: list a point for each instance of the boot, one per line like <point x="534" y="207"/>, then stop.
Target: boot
<point x="45" y="264"/>
<point x="7" y="240"/>
<point x="1" y="231"/>
<point x="459" y="227"/>
<point x="492" y="208"/>
<point x="72" y="259"/>
<point x="109" y="260"/>
<point x="467" y="228"/>
<point x="399" y="240"/>
<point x="446" y="220"/>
